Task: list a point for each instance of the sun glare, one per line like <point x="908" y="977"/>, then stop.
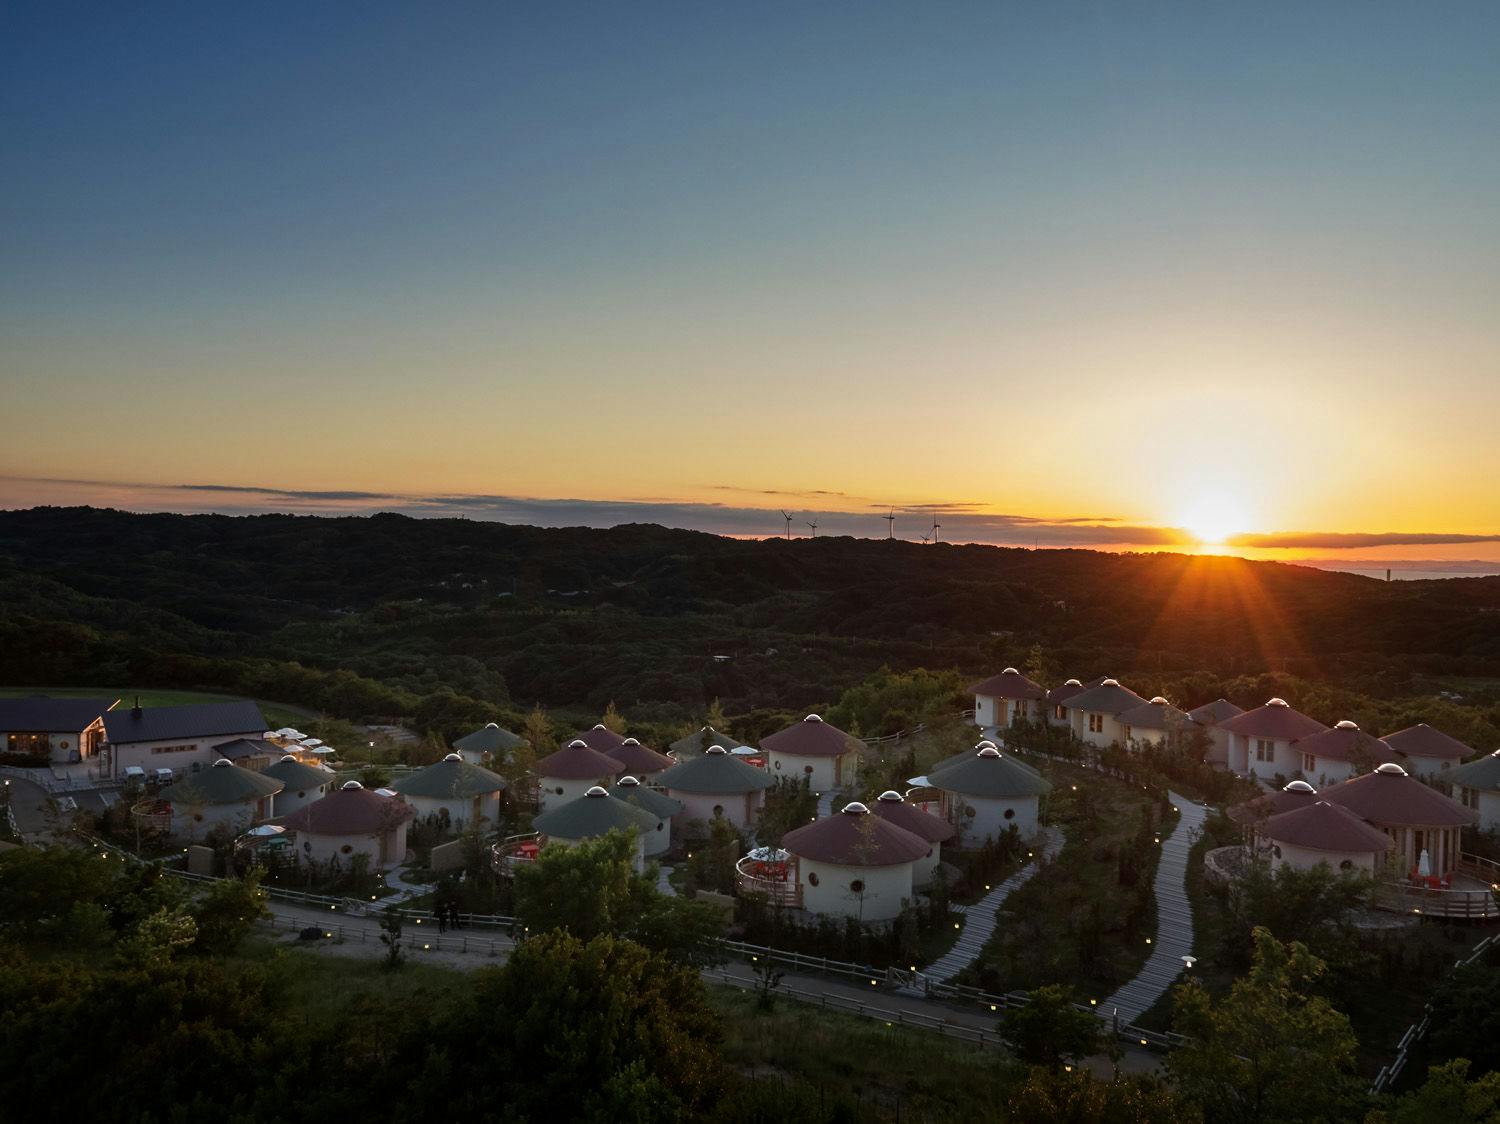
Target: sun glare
<point x="1212" y="520"/>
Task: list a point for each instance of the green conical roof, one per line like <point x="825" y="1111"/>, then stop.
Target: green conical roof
<point x="452" y="778"/>
<point x="491" y="738"/>
<point x="223" y="782"/>
<point x="990" y="774"/>
<point x="716" y="773"/>
<point x="659" y="804"/>
<point x="297" y="776"/>
<point x="593" y="814"/>
<point x="1483" y="773"/>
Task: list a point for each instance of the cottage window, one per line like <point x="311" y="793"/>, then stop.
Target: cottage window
<point x="1347" y="864"/>
<point x="857" y="886"/>
<point x="775" y="764"/>
<point x="1125" y="733"/>
<point x="1276" y="851"/>
<point x="1309" y="763"/>
<point x="174" y="748"/>
<point x="1265" y="749"/>
<point x="1010" y="813"/>
<point x="718" y="810"/>
<point x="1096" y="723"/>
<point x="1471" y="798"/>
<point x="345" y="849"/>
<point x="807" y="769"/>
<point x="1057" y="712"/>
<point x="812" y="878"/>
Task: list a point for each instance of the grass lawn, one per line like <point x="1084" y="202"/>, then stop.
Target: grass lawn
<point x="1075" y="922"/>
<point x="883" y="1068"/>
<point x="276" y="714"/>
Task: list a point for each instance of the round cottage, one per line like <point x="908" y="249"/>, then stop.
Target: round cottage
<point x="1321" y="832"/>
<point x="221" y="796"/>
<point x="988" y="794"/>
<point x="352" y="821"/>
<point x="571" y="771"/>
<point x="717" y="784"/>
<point x="891" y="808"/>
<point x="1417" y="817"/>
<point x="817" y="750"/>
<point x="489" y="743"/>
<point x="303" y="783"/>
<point x="466" y="793"/>
<point x="1260" y="741"/>
<point x="631" y="791"/>
<point x="593" y="814"/>
<point x="855" y="864"/>
<point x="1007" y="698"/>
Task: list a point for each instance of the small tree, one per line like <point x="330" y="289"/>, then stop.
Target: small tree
<point x="613" y="720"/>
<point x="226" y="911"/>
<point x="390" y="936"/>
<point x="1269" y="1050"/>
<point x="538" y="730"/>
<point x="768" y="978"/>
<point x="1050" y="1030"/>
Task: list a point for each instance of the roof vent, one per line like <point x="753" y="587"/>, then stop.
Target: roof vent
<point x="492" y="725"/>
<point x="1299" y="786"/>
<point x="1110" y="683"/>
<point x="989" y="751"/>
<point x="600" y="726"/>
<point x="855" y="808"/>
<point x="578" y="743"/>
<point x="1159" y="701"/>
<point x="348" y="786"/>
<point x="222" y="762"/>
<point x="1276" y="702"/>
<point x="596" y="790"/>
<point x="628" y="782"/>
<point x="986" y="742"/>
<point x="891" y="796"/>
<point x="812" y="718"/>
<point x="631" y="741"/>
<point x="1010" y="671"/>
<point x="1073" y="683"/>
<point x="716" y="750"/>
<point x="1345" y="724"/>
<point x="1391" y="769"/>
<point x="289" y="757"/>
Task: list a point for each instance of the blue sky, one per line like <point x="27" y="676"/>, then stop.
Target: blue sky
<point x="1125" y="260"/>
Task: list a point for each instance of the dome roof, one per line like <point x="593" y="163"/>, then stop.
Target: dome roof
<point x="1389" y="798"/>
<point x="1322" y="826"/>
<point x="577" y="761"/>
<point x="640" y="760"/>
<point x="855" y="837"/>
<point x="812" y="737"/>
<point x="989" y="774"/>
<point x="593" y="814"/>
<point x="452" y="778"/>
<point x="1275" y="720"/>
<point x="891" y="808"/>
<point x="224" y="783"/>
<point x="633" y="792"/>
<point x="715" y="773"/>
<point x="350" y="810"/>
<point x="1009" y="684"/>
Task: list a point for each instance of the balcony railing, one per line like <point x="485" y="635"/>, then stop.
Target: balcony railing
<point x="751" y="878"/>
<point x="513" y="850"/>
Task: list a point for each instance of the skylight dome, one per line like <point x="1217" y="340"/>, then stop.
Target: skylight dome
<point x="1391" y="769"/>
<point x="1345" y="724"/>
<point x="596" y="791"/>
<point x="855" y="808"/>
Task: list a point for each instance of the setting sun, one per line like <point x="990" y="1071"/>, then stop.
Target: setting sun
<point x="1212" y="520"/>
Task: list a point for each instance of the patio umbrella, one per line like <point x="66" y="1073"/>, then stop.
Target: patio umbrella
<point x="325" y="750"/>
<point x="1424" y="865"/>
<point x="308" y="743"/>
<point x="288" y="732"/>
<point x="266" y="830"/>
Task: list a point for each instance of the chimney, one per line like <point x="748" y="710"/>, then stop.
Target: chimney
<point x="135" y="711"/>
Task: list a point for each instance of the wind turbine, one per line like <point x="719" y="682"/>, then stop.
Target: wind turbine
<point x="814" y="526"/>
<point x="936" y="527"/>
<point x="788" y="516"/>
<point x="926" y="539"/>
<point x="890" y="524"/>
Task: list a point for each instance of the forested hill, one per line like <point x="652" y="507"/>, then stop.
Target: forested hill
<point x="637" y="614"/>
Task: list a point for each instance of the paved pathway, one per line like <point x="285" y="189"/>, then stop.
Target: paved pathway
<point x="826" y="801"/>
<point x="1174" y="918"/>
<point x="33" y="811"/>
<point x="405" y="890"/>
<point x="663" y="882"/>
<point x="979" y="918"/>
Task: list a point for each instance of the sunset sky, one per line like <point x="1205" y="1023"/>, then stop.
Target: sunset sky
<point x="1111" y="274"/>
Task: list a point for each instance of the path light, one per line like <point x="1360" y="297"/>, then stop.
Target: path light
<point x="1093" y="1002"/>
<point x="873" y="984"/>
<point x="1143" y="1042"/>
<point x="956" y="925"/>
<point x="1148" y="940"/>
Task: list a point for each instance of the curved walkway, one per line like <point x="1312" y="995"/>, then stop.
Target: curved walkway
<point x="980" y="919"/>
<point x="1174" y="918"/>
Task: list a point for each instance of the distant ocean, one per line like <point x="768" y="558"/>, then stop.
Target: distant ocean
<point x="1403" y="575"/>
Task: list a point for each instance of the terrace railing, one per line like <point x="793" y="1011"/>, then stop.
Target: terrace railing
<point x="784" y="892"/>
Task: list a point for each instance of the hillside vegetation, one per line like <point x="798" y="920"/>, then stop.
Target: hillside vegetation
<point x="445" y="618"/>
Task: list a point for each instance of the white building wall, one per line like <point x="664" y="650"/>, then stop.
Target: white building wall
<point x="989" y="819"/>
<point x="323" y="848"/>
<point x="821" y="772"/>
<point x="739" y="808"/>
<point x="1111" y="733"/>
<point x="1284" y="759"/>
<point x="201" y="753"/>
<point x="923" y="869"/>
<point x="1426" y="766"/>
<point x="986" y="711"/>
<point x="1327" y="771"/>
<point x="460" y="812"/>
<point x="887" y="889"/>
<point x="554" y="792"/>
<point x="288" y="800"/>
<point x="1305" y="858"/>
<point x="1489" y="810"/>
<point x="194" y="821"/>
<point x="1217" y="753"/>
<point x="659" y="839"/>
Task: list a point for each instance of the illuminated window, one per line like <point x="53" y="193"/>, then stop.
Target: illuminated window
<point x="1265" y="749"/>
<point x="1096" y="723"/>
